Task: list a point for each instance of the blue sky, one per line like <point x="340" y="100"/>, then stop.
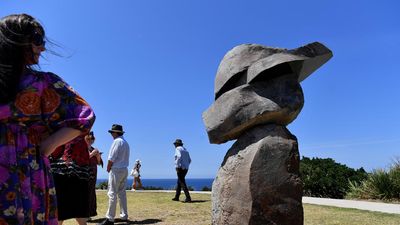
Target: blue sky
<point x="150" y="66"/>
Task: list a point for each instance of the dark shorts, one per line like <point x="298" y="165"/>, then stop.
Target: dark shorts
<point x="72" y="197"/>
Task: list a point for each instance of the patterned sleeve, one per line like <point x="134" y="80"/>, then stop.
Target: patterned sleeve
<point x="63" y="107"/>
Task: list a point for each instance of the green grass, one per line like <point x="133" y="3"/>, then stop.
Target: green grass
<point x="157" y="208"/>
<point x="326" y="215"/>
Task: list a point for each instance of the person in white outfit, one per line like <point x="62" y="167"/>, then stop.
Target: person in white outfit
<point x="136" y="175"/>
<point x="117" y="167"/>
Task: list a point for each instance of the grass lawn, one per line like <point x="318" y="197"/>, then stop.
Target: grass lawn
<point x="157" y="208"/>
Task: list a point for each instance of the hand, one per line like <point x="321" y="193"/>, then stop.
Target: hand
<point x="109" y="165"/>
<point x="94" y="152"/>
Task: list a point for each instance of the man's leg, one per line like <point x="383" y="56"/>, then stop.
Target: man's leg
<point x="178" y="186"/>
<point x="183" y="184"/>
<point x="123" y="205"/>
<point x="112" y="196"/>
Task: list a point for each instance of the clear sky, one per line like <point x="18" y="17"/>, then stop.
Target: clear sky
<point x="150" y="66"/>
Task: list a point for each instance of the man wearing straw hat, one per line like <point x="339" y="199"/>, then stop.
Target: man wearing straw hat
<point x="117" y="167"/>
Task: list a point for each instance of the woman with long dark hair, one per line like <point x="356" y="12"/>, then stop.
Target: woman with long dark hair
<point x="94" y="161"/>
<point x="38" y="113"/>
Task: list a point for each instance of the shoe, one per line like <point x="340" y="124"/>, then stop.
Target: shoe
<point x="133" y="189"/>
<point x="119" y="220"/>
<point x="188" y="200"/>
<point x="175" y="199"/>
<point x="106" y="222"/>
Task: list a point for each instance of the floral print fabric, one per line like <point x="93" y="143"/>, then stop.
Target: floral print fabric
<point x="43" y="105"/>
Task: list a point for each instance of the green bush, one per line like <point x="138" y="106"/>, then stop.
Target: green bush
<point x="206" y="188"/>
<point x="103" y="185"/>
<point x="380" y="184"/>
<point x="152" y="188"/>
<point x="326" y="178"/>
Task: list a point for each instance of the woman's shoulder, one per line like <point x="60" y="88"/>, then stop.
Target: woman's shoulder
<point x="50" y="77"/>
<point x="34" y="76"/>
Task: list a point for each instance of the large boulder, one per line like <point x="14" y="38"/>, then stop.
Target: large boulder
<point x="258" y="182"/>
<point x="236" y="61"/>
<point x="244" y="63"/>
<point x="276" y="101"/>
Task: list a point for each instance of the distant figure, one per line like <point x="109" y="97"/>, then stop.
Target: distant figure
<point x="39" y="111"/>
<point x="136" y="175"/>
<point x="117" y="167"/>
<point x="182" y="162"/>
<point x="94" y="160"/>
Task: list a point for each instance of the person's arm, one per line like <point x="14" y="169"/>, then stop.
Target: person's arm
<point x="64" y="112"/>
<point x="113" y="154"/>
<point x="109" y="165"/>
<point x="60" y="137"/>
<point x="177" y="158"/>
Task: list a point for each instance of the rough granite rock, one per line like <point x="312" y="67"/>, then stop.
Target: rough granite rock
<point x="244" y="63"/>
<point x="238" y="60"/>
<point x="258" y="182"/>
<point x="303" y="61"/>
<point x="257" y="93"/>
<point x="276" y="101"/>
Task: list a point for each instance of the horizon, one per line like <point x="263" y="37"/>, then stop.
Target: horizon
<point x="151" y="65"/>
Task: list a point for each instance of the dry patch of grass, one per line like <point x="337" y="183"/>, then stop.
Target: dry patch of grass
<point x="158" y="208"/>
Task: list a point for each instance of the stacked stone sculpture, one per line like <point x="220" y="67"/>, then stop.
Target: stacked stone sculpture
<point x="257" y="94"/>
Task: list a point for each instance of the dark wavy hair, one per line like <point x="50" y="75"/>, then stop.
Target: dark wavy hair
<point x="16" y="35"/>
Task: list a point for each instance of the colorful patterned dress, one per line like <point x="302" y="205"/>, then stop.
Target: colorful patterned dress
<point x="43" y="105"/>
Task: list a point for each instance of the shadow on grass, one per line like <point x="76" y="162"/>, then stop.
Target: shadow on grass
<point x="196" y="201"/>
<point x="122" y="222"/>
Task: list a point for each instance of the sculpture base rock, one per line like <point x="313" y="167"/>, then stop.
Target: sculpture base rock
<point x="258" y="182"/>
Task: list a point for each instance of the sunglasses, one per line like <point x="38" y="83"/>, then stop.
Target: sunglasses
<point x="38" y="39"/>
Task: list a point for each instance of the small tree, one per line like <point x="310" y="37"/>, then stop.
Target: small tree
<point x="326" y="178"/>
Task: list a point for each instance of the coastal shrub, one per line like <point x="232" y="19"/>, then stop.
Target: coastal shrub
<point x="380" y="184"/>
<point x="394" y="174"/>
<point x="327" y="178"/>
<point x="152" y="188"/>
<point x="190" y="188"/>
<point x="102" y="185"/>
<point x="205" y="188"/>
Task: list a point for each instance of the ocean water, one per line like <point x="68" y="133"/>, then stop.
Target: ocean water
<point x="169" y="184"/>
